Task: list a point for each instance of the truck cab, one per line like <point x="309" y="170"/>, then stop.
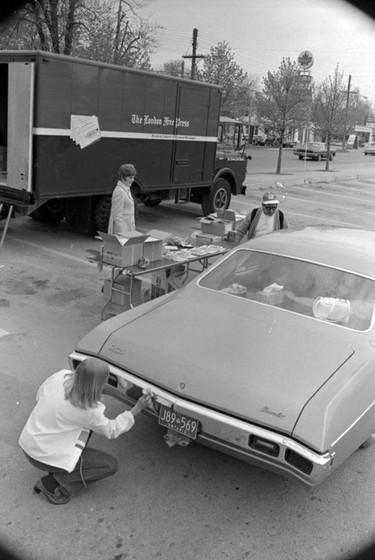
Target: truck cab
<point x="230" y="165"/>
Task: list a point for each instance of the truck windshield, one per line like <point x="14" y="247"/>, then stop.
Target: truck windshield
<point x="318" y="291"/>
<point x="229" y="135"/>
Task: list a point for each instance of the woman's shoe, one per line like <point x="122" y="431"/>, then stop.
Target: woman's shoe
<point x="57" y="497"/>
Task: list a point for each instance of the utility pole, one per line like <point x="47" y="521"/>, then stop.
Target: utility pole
<point x="348" y="92"/>
<point x="194" y="56"/>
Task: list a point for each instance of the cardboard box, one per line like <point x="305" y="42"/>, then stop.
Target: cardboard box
<point x="120" y="292"/>
<point x="207" y="239"/>
<point x="122" y="251"/>
<point x="153" y="245"/>
<point x="227" y="216"/>
<point x="215" y="226"/>
<point x="167" y="280"/>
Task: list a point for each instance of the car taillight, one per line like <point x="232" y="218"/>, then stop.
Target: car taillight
<point x="264" y="446"/>
<point x="298" y="461"/>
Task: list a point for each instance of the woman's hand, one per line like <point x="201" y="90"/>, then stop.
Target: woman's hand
<point x="145" y="401"/>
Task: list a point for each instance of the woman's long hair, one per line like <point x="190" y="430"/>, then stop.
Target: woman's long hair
<point x="84" y="387"/>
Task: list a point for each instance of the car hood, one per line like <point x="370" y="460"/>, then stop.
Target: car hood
<point x="253" y="361"/>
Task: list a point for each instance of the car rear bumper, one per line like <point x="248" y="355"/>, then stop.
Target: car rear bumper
<point x="253" y="444"/>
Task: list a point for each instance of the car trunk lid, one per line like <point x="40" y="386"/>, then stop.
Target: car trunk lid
<point x="251" y="360"/>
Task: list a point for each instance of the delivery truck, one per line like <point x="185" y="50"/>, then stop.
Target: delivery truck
<point x="67" y="124"/>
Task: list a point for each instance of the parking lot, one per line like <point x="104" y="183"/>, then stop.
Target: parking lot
<point x="173" y="504"/>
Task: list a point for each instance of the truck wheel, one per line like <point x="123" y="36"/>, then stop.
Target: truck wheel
<point x="102" y="213"/>
<point x="218" y="198"/>
<point x="151" y="200"/>
<point x="51" y="212"/>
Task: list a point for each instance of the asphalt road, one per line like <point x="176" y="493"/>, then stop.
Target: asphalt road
<point x="169" y="504"/>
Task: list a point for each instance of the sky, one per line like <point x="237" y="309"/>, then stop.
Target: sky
<point x="261" y="33"/>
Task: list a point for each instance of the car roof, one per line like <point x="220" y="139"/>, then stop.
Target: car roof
<point x="346" y="248"/>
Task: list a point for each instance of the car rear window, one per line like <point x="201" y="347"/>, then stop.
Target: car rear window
<point x="325" y="293"/>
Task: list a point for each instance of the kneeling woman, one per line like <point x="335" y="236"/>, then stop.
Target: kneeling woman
<point x="54" y="438"/>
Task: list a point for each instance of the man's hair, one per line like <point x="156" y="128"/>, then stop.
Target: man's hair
<point x="84" y="387"/>
<point x="126" y="170"/>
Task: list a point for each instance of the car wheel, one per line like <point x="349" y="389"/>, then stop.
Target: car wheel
<point x="300" y="157"/>
<point x="367" y="443"/>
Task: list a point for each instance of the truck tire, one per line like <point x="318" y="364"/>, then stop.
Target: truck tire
<point x="102" y="213"/>
<point x="51" y="212"/>
<point x="152" y="200"/>
<point x="218" y="198"/>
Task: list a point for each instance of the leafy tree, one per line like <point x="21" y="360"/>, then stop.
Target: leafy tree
<point x="220" y="67"/>
<point x="103" y="30"/>
<point x="285" y="100"/>
<point x="173" y="68"/>
<point x="329" y="112"/>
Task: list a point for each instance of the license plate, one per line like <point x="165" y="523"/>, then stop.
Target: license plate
<point x="178" y="422"/>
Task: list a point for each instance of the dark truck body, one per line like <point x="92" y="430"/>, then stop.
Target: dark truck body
<point x="166" y="126"/>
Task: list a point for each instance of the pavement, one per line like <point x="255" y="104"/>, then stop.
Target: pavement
<point x="310" y="176"/>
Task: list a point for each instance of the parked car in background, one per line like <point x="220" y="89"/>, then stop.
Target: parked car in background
<point x="259" y="139"/>
<point x="369" y="151"/>
<point x="287" y="143"/>
<point x="314" y="150"/>
<point x="268" y="355"/>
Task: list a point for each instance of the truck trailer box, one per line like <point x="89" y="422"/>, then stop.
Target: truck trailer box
<point x="73" y="122"/>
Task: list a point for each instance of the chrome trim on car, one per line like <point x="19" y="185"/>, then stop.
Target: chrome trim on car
<point x="352" y="424"/>
<point x="221" y="431"/>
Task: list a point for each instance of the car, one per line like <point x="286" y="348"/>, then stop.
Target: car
<point x="369" y="151"/>
<point x="314" y="150"/>
<point x="259" y="140"/>
<point x="268" y="355"/>
<point x="287" y="143"/>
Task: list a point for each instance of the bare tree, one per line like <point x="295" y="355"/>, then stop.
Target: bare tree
<point x="103" y="30"/>
<point x="329" y="113"/>
<point x="285" y="101"/>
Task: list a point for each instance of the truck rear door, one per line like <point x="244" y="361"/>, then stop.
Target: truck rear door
<point x="20" y="124"/>
<point x="195" y="148"/>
